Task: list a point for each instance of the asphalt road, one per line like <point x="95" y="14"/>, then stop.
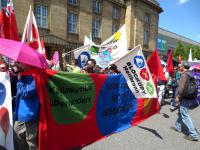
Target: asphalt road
<point x="152" y="134"/>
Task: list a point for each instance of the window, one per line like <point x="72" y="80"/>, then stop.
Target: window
<point x="73" y="2"/>
<point x="3" y="3"/>
<point x="146" y="29"/>
<point x="41" y="16"/>
<point x="72" y="23"/>
<point x="115" y="28"/>
<point x="95" y="28"/>
<point x="116" y="13"/>
<point x="96" y="6"/>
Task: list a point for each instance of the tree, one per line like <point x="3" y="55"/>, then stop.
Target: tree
<point x="196" y="52"/>
<point x="184" y="51"/>
<point x="179" y="50"/>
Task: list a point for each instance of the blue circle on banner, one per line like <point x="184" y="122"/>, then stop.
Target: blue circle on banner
<point x="2" y="93"/>
<point x="139" y="61"/>
<point x="83" y="59"/>
<point x="116" y="105"/>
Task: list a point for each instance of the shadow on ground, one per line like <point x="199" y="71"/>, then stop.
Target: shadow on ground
<point x="152" y="131"/>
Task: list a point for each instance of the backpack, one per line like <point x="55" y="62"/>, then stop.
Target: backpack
<point x="191" y="88"/>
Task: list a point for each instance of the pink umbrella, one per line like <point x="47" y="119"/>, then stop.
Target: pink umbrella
<point x="21" y="52"/>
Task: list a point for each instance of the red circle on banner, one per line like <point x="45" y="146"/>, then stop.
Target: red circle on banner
<point x="144" y="74"/>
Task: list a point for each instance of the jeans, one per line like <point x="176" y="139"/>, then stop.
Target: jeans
<point x="26" y="134"/>
<point x="184" y="120"/>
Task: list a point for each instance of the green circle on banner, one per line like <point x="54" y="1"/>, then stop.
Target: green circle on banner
<point x="150" y="88"/>
<point x="71" y="97"/>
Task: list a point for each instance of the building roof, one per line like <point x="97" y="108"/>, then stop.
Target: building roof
<point x="155" y="4"/>
<point x="178" y="37"/>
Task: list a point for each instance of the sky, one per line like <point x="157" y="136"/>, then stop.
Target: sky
<point x="181" y="17"/>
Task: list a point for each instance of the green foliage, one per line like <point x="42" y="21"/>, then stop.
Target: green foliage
<point x="179" y="50"/>
<point x="184" y="51"/>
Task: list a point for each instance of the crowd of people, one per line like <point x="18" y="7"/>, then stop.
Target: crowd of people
<point x="26" y="102"/>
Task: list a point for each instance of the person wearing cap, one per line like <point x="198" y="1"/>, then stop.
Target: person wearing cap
<point x="184" y="118"/>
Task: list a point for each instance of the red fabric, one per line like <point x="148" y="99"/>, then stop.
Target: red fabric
<point x="170" y="66"/>
<point x="11" y="31"/>
<point x="146" y="107"/>
<point x="54" y="136"/>
<point x="2" y="25"/>
<point x="155" y="66"/>
<point x="43" y="47"/>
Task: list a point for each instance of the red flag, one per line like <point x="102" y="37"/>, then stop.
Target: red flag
<point x="11" y="30"/>
<point x="31" y="34"/>
<point x="43" y="47"/>
<point x="2" y="25"/>
<point x="155" y="66"/>
<point x="170" y="66"/>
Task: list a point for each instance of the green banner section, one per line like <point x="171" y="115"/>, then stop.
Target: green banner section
<point x="71" y="96"/>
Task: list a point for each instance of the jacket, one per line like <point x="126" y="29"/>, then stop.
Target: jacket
<point x="27" y="102"/>
<point x="182" y="83"/>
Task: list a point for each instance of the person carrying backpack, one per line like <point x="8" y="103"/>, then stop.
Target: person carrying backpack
<point x="185" y="95"/>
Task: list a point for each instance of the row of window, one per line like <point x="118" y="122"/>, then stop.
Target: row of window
<point x="41" y="14"/>
<point x="97" y="7"/>
<point x="96" y="24"/>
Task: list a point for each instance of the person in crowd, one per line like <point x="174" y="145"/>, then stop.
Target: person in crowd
<point x="88" y="69"/>
<point x="75" y="68"/>
<point x="92" y="63"/>
<point x="113" y="69"/>
<point x="178" y="72"/>
<point x="184" y="119"/>
<point x="26" y="111"/>
<point x="174" y="85"/>
<point x="97" y="69"/>
<point x="3" y="67"/>
<point x="162" y="86"/>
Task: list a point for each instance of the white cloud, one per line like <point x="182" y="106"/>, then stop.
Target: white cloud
<point x="183" y="1"/>
<point x="198" y="36"/>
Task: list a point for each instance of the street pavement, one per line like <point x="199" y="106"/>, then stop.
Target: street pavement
<point x="152" y="134"/>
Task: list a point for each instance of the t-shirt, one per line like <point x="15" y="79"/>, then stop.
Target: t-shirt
<point x="77" y="70"/>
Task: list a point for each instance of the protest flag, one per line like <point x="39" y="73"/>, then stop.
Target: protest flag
<point x="2" y="24"/>
<point x="43" y="47"/>
<point x="6" y="113"/>
<point x="117" y="44"/>
<point x="83" y="108"/>
<point x="82" y="54"/>
<point x="31" y="34"/>
<point x="190" y="55"/>
<point x="155" y="66"/>
<point x="135" y="70"/>
<point x="170" y="66"/>
<point x="11" y="30"/>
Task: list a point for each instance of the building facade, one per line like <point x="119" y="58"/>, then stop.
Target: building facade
<point x="64" y="23"/>
<point x="168" y="41"/>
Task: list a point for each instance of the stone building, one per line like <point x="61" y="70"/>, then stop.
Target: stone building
<point x="64" y="23"/>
